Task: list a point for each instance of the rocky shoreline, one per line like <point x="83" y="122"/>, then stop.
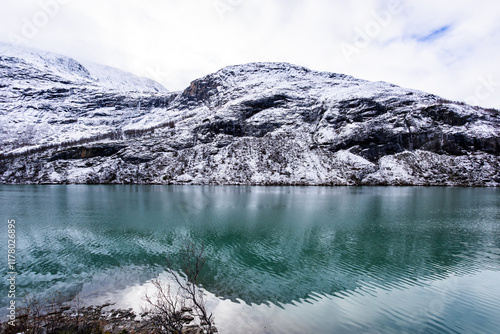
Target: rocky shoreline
<point x="96" y="319"/>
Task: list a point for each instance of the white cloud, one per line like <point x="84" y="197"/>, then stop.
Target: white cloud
<point x="176" y="41"/>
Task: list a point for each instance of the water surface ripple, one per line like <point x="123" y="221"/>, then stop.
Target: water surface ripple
<point x="304" y="259"/>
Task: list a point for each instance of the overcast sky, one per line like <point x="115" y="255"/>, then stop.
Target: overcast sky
<point x="450" y="48"/>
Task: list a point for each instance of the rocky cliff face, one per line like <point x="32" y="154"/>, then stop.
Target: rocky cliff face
<point x="260" y="123"/>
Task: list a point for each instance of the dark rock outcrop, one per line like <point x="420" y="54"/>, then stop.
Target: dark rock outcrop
<point x="86" y="152"/>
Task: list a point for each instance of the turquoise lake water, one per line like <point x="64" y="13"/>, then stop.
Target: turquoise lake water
<point x="279" y="259"/>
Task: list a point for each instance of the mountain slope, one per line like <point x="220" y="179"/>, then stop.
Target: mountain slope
<point x="55" y="66"/>
<point x="112" y="78"/>
<point x="259" y="123"/>
<point x="48" y="98"/>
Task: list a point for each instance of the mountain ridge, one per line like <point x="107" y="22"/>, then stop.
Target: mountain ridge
<point x="83" y="72"/>
<point x="256" y="123"/>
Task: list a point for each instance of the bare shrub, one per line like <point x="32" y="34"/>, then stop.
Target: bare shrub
<point x="165" y="308"/>
<point x="171" y="309"/>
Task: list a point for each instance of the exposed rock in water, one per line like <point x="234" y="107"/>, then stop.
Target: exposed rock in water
<point x="259" y="123"/>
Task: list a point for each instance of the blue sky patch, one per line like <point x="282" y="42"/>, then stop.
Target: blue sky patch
<point x="435" y="34"/>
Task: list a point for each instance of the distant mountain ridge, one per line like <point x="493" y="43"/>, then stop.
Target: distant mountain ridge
<point x="70" y="69"/>
<point x="258" y="123"/>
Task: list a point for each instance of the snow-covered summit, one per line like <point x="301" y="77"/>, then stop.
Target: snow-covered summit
<point x="70" y="70"/>
<point x="264" y="78"/>
<point x="113" y="78"/>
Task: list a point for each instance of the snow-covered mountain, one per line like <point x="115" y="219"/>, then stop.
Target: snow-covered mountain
<point x="112" y="78"/>
<point x="52" y="66"/>
<point x="48" y="98"/>
<point x="259" y="123"/>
